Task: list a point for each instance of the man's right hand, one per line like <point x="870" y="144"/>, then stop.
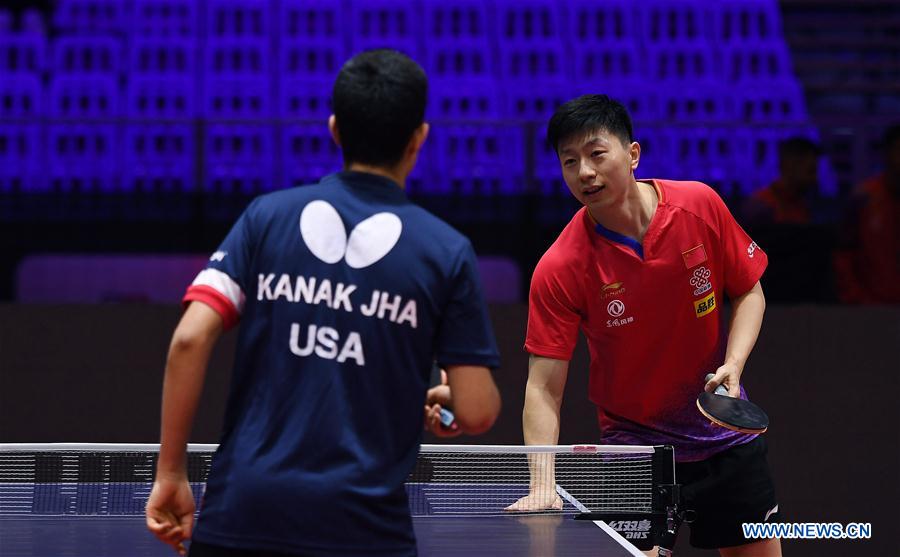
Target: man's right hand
<point x="436" y="397"/>
<point x="542" y="499"/>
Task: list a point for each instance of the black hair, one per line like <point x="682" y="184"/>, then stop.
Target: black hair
<point x="378" y="101"/>
<point x="795" y="147"/>
<point x="586" y="114"/>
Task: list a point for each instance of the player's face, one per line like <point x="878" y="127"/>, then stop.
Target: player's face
<point x="598" y="168"/>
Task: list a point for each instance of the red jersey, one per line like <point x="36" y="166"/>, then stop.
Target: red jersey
<point x="650" y="313"/>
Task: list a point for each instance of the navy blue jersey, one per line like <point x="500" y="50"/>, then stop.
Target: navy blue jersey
<point x="346" y="292"/>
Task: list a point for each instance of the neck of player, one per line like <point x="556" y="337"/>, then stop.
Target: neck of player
<point x="632" y="216"/>
<point x="397" y="174"/>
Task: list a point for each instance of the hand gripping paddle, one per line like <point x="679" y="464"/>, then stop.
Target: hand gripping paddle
<point x="733" y="413"/>
<point x="447" y="416"/>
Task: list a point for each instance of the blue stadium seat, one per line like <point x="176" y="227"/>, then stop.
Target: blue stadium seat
<point x="319" y="21"/>
<point x="464" y="59"/>
<point x="237" y="97"/>
<point x="307" y="59"/>
<point x="684" y="61"/>
<point x="692" y="101"/>
<point x="529" y="35"/>
<point x="481" y="179"/>
<point x="164" y="144"/>
<point x="94" y="95"/>
<point x="748" y="61"/>
<point x="305" y="98"/>
<point x="163" y="56"/>
<point x="771" y="101"/>
<point x="386" y="24"/>
<point x="21" y="97"/>
<point x="528" y="20"/>
<point x="309" y="153"/>
<point x="312" y="39"/>
<point x="238" y="19"/>
<point x="664" y="22"/>
<point x="165" y="18"/>
<point x="87" y="55"/>
<point x="523" y="100"/>
<point x="533" y="61"/>
<point x="609" y="62"/>
<point x="22" y="53"/>
<point x="234" y="57"/>
<point x="610" y="22"/>
<point x="461" y="20"/>
<point x="110" y="16"/>
<point x="479" y="159"/>
<point x="83" y="158"/>
<point x="237" y="74"/>
<point x="755" y="21"/>
<point x="547" y="170"/>
<point x="22" y="157"/>
<point x="161" y="96"/>
<point x="706" y="153"/>
<point x="464" y="99"/>
<point x="240" y="158"/>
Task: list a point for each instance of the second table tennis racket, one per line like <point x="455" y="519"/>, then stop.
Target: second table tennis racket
<point x="733" y="413"/>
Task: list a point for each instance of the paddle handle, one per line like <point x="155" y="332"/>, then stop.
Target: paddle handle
<point x="720" y="390"/>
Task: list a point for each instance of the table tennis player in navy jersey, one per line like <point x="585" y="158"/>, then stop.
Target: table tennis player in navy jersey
<point x="642" y="270"/>
<point x="345" y="293"/>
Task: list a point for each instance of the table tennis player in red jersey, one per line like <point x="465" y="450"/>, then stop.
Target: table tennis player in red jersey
<point x="642" y="270"/>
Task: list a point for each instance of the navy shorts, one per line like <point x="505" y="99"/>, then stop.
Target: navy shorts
<point x="726" y="490"/>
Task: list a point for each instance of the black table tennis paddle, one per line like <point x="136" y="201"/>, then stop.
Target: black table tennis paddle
<point x="735" y="414"/>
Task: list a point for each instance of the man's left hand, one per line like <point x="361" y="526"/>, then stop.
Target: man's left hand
<point x="729" y="375"/>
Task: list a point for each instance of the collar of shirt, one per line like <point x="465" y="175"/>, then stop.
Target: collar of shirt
<point x="382" y="186"/>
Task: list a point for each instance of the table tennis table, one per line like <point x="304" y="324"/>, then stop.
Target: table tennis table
<point x="47" y="508"/>
<point x="520" y="536"/>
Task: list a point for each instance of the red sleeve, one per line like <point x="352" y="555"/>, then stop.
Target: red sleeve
<point x="214" y="299"/>
<point x="745" y="262"/>
<point x="553" y="309"/>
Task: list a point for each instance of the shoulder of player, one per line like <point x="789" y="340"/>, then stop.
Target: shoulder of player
<point x="692" y="197"/>
<point x="568" y="253"/>
<point x="286" y="199"/>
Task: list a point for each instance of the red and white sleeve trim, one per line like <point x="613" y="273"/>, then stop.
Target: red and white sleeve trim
<point x="219" y="291"/>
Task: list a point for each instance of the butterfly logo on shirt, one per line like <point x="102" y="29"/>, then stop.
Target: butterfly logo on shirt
<point x="324" y="234"/>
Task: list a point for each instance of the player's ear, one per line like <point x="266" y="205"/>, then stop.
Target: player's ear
<point x="418" y="138"/>
<point x="333" y="130"/>
<point x="635" y="151"/>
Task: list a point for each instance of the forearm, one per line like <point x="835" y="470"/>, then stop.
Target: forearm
<point x="540" y="425"/>
<point x="186" y="364"/>
<point x="540" y="416"/>
<point x="183" y="384"/>
<point x="746" y="321"/>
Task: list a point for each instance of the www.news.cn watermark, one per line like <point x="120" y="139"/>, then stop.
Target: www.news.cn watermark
<point x="808" y="530"/>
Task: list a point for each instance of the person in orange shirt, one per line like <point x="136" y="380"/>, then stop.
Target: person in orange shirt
<point x="785" y="201"/>
<point x="868" y="266"/>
